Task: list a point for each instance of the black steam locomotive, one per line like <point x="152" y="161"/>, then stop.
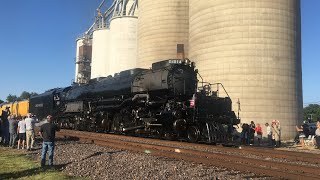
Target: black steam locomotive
<point x="164" y="102"/>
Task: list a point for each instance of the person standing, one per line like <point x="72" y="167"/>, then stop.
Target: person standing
<point x="5" y="125"/>
<point x="30" y="122"/>
<point x="48" y="133"/>
<point x="317" y="135"/>
<point x="22" y="133"/>
<point x="0" y="129"/>
<point x="252" y="128"/>
<point x="13" y="124"/>
<point x="276" y="133"/>
<point x="301" y="135"/>
<point x="244" y="133"/>
<point x="269" y="134"/>
<point x="258" y="130"/>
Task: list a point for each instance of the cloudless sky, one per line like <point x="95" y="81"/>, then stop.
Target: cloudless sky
<point x="37" y="44"/>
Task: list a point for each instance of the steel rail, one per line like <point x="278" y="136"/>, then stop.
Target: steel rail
<point x="246" y="150"/>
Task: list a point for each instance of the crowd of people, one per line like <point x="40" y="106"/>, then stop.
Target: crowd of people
<point x="250" y="132"/>
<point x="304" y="133"/>
<point x="19" y="132"/>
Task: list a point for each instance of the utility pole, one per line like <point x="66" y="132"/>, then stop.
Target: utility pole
<point x="310" y="118"/>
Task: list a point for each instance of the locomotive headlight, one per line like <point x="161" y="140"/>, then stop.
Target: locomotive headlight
<point x="187" y="62"/>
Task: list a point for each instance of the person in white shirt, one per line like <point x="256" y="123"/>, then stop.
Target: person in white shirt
<point x="269" y="133"/>
<point x="22" y="133"/>
<point x="30" y="122"/>
<point x="317" y="134"/>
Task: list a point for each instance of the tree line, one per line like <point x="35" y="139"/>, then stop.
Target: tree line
<point x="311" y="113"/>
<point x="24" y="95"/>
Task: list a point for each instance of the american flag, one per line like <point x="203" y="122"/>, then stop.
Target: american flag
<point x="193" y="101"/>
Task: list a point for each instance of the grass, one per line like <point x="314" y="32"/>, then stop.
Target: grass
<point x="16" y="165"/>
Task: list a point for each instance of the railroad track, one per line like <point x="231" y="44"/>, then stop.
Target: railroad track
<point x="230" y="158"/>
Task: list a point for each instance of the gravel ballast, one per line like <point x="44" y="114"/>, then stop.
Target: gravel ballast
<point x="95" y="162"/>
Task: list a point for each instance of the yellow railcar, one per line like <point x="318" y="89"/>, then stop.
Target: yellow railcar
<point x="18" y="108"/>
<point x="3" y="107"/>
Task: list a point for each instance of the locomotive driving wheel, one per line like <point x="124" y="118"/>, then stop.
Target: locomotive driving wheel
<point x="116" y="123"/>
<point x="193" y="134"/>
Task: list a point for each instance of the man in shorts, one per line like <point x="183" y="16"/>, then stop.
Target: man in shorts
<point x="22" y="133"/>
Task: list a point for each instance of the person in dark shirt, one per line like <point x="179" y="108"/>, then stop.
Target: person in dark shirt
<point x="13" y="125"/>
<point x="244" y="134"/>
<point x="306" y="129"/>
<point x="5" y="125"/>
<point x="251" y="132"/>
<point x="47" y="133"/>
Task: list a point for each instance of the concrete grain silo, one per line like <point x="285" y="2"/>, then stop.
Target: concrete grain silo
<point x="123" y="52"/>
<point x="114" y="36"/>
<point x="253" y="47"/>
<point x="100" y="66"/>
<point x="161" y="26"/>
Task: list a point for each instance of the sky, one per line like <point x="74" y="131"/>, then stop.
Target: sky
<point x="37" y="48"/>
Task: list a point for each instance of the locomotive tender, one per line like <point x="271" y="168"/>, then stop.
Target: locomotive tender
<point x="164" y="102"/>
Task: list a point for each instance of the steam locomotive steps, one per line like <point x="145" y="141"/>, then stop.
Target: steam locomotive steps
<point x="183" y="151"/>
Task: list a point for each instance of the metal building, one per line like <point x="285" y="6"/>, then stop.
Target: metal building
<point x="83" y="59"/>
<point x="162" y="25"/>
<point x="254" y="49"/>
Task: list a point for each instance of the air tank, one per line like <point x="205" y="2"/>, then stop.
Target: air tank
<point x="254" y="49"/>
<point x="100" y="65"/>
<point x="123" y="43"/>
<point x="161" y="26"/>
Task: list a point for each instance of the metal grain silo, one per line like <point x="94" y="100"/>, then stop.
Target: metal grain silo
<point x="79" y="42"/>
<point x="161" y="26"/>
<point x="254" y="49"/>
<point x="100" y="53"/>
<point x="83" y="59"/>
<point x="123" y="50"/>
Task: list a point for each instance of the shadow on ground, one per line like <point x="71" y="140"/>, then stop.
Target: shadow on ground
<point x="31" y="172"/>
<point x="56" y="168"/>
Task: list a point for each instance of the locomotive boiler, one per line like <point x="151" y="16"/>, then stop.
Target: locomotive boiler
<point x="164" y="102"/>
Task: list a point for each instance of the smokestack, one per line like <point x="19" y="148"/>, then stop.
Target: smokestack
<point x="180" y="51"/>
